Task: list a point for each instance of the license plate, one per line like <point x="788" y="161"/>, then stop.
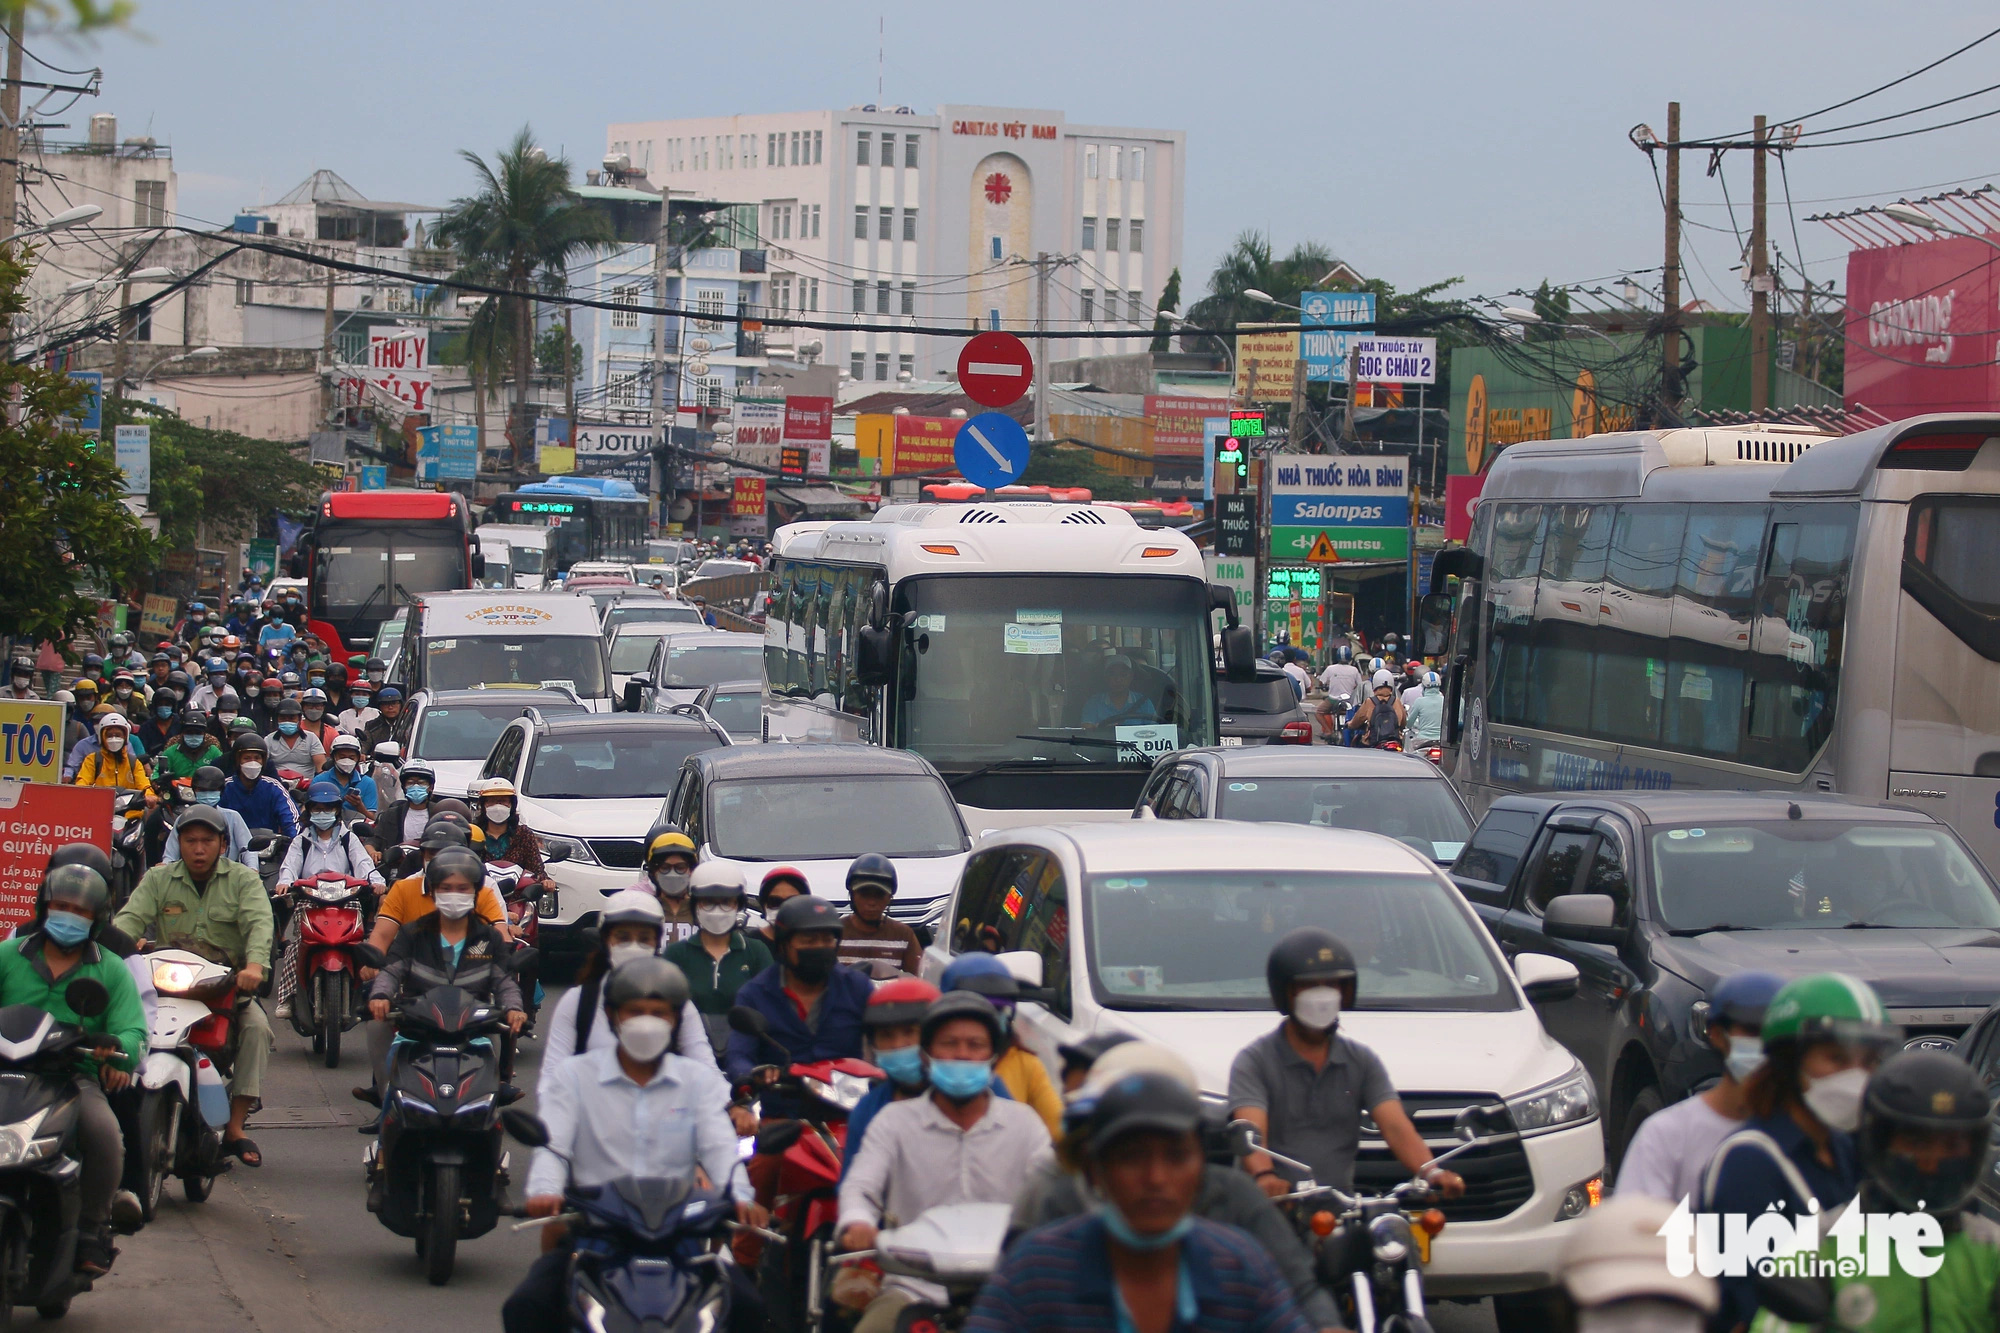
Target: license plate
<point x="1229" y="742"/>
<point x="1423" y="1244"/>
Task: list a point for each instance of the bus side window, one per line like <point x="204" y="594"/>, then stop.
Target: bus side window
<point x="775" y="612"/>
<point x="838" y="584"/>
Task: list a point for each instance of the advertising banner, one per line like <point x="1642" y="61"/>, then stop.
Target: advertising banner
<point x="1239" y="575"/>
<point x="555" y="448"/>
<point x="156" y="615"/>
<point x="1179" y="422"/>
<point x="1461" y="497"/>
<point x="922" y="444"/>
<point x="35" y="819"/>
<point x="1347" y="316"/>
<point x="1347" y="543"/>
<point x="809" y="424"/>
<point x="1396" y="360"/>
<point x="262" y="558"/>
<point x="1341" y="479"/>
<point x="91" y="419"/>
<point x="135" y="458"/>
<point x="1371" y="511"/>
<point x="616" y="451"/>
<point x="1264" y="362"/>
<point x="747" y="497"/>
<point x="760" y="428"/>
<point x="458" y="452"/>
<point x="1920" y="328"/>
<point x="31" y="736"/>
<point x="375" y="477"/>
<point x="1353" y="508"/>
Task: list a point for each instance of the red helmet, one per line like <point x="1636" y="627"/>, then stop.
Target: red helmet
<point x="781" y="873"/>
<point x="901" y="1001"/>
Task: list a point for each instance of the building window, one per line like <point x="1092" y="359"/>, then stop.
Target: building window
<point x="861" y="222"/>
<point x="910" y="150"/>
<point x="909" y="298"/>
<point x="1135" y="235"/>
<point x="708" y="392"/>
<point x="245" y="289"/>
<point x="1117" y="161"/>
<point x="909" y="224"/>
<point x="1089" y="304"/>
<point x="906" y="366"/>
<point x="860" y="297"/>
<point x="885" y="227"/>
<point x="624" y="389"/>
<point x="993" y="318"/>
<point x="808" y="293"/>
<point x="1135" y="309"/>
<point x="150" y="200"/>
<point x="881" y="298"/>
<point x="857" y="366"/>
<point x="625" y="295"/>
<point x="861" y="142"/>
<point x="1111" y="233"/>
<point x="998" y="253"/>
<point x="771" y="150"/>
<point x="709" y="301"/>
<point x="815" y="225"/>
<point x="781" y="294"/>
<point x="888" y="150"/>
<point x="795" y="148"/>
<point x="819" y="140"/>
<point x="882" y="366"/>
<point x="1138" y="164"/>
<point x="1110" y="305"/>
<point x="1090" y="161"/>
<point x="1090" y="233"/>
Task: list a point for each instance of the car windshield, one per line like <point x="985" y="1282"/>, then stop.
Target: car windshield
<point x="1199" y="939"/>
<point x="812" y="819"/>
<point x="640" y="762"/>
<point x="739" y="712"/>
<point x="1418" y="811"/>
<point x="690" y="666"/>
<point x="391" y="631"/>
<point x="1816" y="874"/>
<point x="630" y="652"/>
<point x="649" y="612"/>
<point x="526" y="559"/>
<point x="467" y="731"/>
<point x="1264" y="695"/>
<point x="715" y="569"/>
<point x="525" y="659"/>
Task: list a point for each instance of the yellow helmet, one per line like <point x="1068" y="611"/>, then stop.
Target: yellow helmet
<point x="673" y="840"/>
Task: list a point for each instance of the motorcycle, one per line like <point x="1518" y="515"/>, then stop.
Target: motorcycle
<point x="522" y="896"/>
<point x="184" y="1083"/>
<point x="810" y="1151"/>
<point x="128" y="844"/>
<point x="436" y="1170"/>
<point x="41" y="1183"/>
<point x="955" y="1246"/>
<point x="327" y="998"/>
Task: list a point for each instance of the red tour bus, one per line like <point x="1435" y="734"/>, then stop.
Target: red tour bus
<point x="366" y="553"/>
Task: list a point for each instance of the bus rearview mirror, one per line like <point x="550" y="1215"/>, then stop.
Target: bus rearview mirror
<point x="874" y="656"/>
<point x="1239" y="654"/>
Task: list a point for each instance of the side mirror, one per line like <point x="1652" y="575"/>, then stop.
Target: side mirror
<point x="1239" y="654"/>
<point x="878" y="605"/>
<point x="527" y="956"/>
<point x="525" y="1128"/>
<point x="478" y="565"/>
<point x="634" y="692"/>
<point x="874" y="656"/>
<point x="1144" y="812"/>
<point x="1587" y="918"/>
<point x="555" y="853"/>
<point x="370" y="956"/>
<point x="779" y="1135"/>
<point x="1241" y="1136"/>
<point x="1024" y="965"/>
<point x="261" y="839"/>
<point x="1467" y="1124"/>
<point x="87" y="996"/>
<point x="1546" y="978"/>
<point x="748" y="1021"/>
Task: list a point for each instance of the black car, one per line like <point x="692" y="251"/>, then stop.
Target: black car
<point x="1655" y="897"/>
<point x="1263" y="711"/>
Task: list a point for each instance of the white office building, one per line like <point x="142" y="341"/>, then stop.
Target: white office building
<point x="898" y="219"/>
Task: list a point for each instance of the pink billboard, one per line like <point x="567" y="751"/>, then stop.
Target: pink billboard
<point x="1923" y="332"/>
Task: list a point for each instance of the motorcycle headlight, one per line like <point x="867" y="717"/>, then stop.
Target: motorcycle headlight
<point x="483" y="1104"/>
<point x="1569" y="1101"/>
<point x="329" y="893"/>
<point x="17" y="1141"/>
<point x="172" y="978"/>
<point x="844" y="1090"/>
<point x="1389" y="1236"/>
<point x="592" y="1310"/>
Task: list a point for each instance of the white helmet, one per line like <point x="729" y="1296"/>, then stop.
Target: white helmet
<point x="1380" y="679"/>
<point x="1431" y="681"/>
<point x="716" y="874"/>
<point x="1377" y="665"/>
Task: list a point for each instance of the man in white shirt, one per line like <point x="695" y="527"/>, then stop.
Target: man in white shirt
<point x="1342" y="677"/>
<point x="354" y="719"/>
<point x="1670" y="1153"/>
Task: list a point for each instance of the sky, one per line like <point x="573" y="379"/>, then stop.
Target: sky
<point x="1417" y="142"/>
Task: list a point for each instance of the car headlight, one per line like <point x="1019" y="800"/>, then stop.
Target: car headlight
<point x="1569" y="1101"/>
<point x="579" y="850"/>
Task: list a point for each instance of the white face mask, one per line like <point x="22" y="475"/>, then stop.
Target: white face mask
<point x="497" y="814"/>
<point x="1836" y="1099"/>
<point x="1317" y="1008"/>
<point x="626" y="952"/>
<point x="252" y="771"/>
<point x="645" y="1038"/>
<point x="1746" y="1057"/>
<point x="344" y="765"/>
<point x="454" y="906"/>
<point x="114" y="743"/>
<point x="673" y="883"/>
<point x="715" y="920"/>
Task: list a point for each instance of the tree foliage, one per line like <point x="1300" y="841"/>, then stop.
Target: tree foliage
<point x="228" y="481"/>
<point x="1170" y="301"/>
<point x="69" y="537"/>
<point x="1552" y="307"/>
<point x="1059" y="466"/>
<point x="1250" y="265"/>
<point x="549" y="353"/>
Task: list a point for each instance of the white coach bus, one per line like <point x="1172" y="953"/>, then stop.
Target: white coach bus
<point x="1756" y="607"/>
<point x="992" y="639"/>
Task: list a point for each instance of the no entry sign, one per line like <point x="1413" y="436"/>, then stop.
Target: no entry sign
<point x="995" y="368"/>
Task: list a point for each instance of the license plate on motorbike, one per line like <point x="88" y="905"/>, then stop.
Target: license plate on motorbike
<point x="1423" y="1245"/>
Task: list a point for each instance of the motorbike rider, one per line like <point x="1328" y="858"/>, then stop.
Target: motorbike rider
<point x="870" y="935"/>
<point x="1425" y="718"/>
<point x="21" y="679"/>
<point x="807" y="979"/>
<point x="215" y="679"/>
<point x="194" y="749"/>
<point x="507" y="838"/>
<point x="385" y="766"/>
<point x="205" y="788"/>
<point x="894" y="1022"/>
<point x="405" y="820"/>
<point x="314" y="719"/>
<point x="669" y="871"/>
<point x="959" y="1144"/>
<point x="57" y="948"/>
<point x="720" y="957"/>
<point x="113" y="764"/>
<point x="779" y="886"/>
<point x="1925" y="1146"/>
<point x="598" y="1107"/>
<point x="220" y="908"/>
<point x="1342" y="677"/>
<point x="360" y="710"/>
<point x="388" y="713"/>
<point x="1381" y="717"/>
<point x="228" y="708"/>
<point x="261" y="800"/>
<point x="262" y="707"/>
<point x="1026" y="1077"/>
<point x="125" y="695"/>
<point x="291" y="744"/>
<point x="156" y="731"/>
<point x="1305" y="1085"/>
<point x="343" y="770"/>
<point x="327" y="845"/>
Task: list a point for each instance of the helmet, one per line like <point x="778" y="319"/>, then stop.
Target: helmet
<point x="215" y="666"/>
<point x="904" y="1000"/>
<point x="453" y="861"/>
<point x="717" y="880"/>
<point x="982" y="974"/>
<point x="1307" y="953"/>
<point x="962" y="1004"/>
<point x="291" y="708"/>
<point x="344" y="742"/>
<point x="1827" y="1006"/>
<point x="80" y="886"/>
<point x="782" y="875"/>
<point x="85" y="685"/>
<point x="1740" y="1000"/>
<point x="441" y="836"/>
<point x="1086" y="1053"/>
<point x="453" y="808"/>
<point x="337" y="674"/>
<point x="806" y="913"/>
<point x="1140" y="1101"/>
<point x="632" y="907"/>
<point x="181" y="681"/>
<point x="418" y="771"/>
<point x="113" y="721"/>
<point x="323" y="792"/>
<point x="1614" y="1254"/>
<point x="1377" y="665"/>
<point x="81" y="854"/>
<point x="158" y="659"/>
<point x="388" y="694"/>
<point x="227" y="701"/>
<point x="872" y="868"/>
<point x="231" y="644"/>
<point x="657" y="850"/>
<point x="210" y="778"/>
<point x="194" y="720"/>
<point x="1918" y="1091"/>
<point x="249" y="741"/>
<point x="649" y="978"/>
<point x="92" y="660"/>
<point x="314" y="696"/>
<point x="493" y="787"/>
<point x="1344" y="653"/>
<point x="1431" y="681"/>
<point x="1382" y="677"/>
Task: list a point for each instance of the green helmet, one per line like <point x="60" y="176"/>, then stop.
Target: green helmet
<point x="1829" y="1006"/>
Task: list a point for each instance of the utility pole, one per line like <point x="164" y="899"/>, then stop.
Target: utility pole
<point x="661" y="423"/>
<point x="325" y="355"/>
<point x="125" y="330"/>
<point x="10" y="126"/>
<point x="1760" y="282"/>
<point x="1042" y="266"/>
<point x="569" y="372"/>
<point x="1670" y="276"/>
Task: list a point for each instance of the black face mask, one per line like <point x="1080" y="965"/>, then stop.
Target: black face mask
<point x="814" y="966"/>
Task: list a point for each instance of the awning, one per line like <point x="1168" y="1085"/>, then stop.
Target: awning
<point x="814" y="498"/>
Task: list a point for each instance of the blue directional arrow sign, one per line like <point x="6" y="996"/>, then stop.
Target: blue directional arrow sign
<point x="991" y="450"/>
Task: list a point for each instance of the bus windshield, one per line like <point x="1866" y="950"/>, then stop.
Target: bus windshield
<point x="1069" y="669"/>
<point x="366" y="571"/>
<point x="526" y="659"/>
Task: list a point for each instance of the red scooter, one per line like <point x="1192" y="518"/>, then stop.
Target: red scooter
<point x="333" y="922"/>
<point x="809" y="1151"/>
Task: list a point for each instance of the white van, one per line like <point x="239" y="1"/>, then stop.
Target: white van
<point x="492" y="639"/>
<point x="524" y="549"/>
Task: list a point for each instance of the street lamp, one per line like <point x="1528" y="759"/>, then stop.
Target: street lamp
<point x="69" y="217"/>
<point x="1912" y="216"/>
<point x="1516" y="315"/>
<point x="1221" y="341"/>
<point x="169" y="360"/>
<point x="1253" y="294"/>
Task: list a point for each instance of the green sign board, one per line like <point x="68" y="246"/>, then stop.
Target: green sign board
<point x="263" y="558"/>
<point x="1350" y="543"/>
<point x="1281" y="585"/>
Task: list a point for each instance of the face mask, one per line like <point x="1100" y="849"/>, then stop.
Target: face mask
<point x="344" y="765"/>
<point x="360" y="702"/>
<point x="163" y="712"/>
<point x="325" y="819"/>
<point x="123" y="691"/>
<point x="22" y="682"/>
<point x="252" y="771"/>
<point x="497" y="814"/>
<point x="209" y="797"/>
<point x="314" y="713"/>
<point x="1836" y="1099"/>
<point x="626" y="952"/>
<point x="905" y="1065"/>
<point x="67" y="928"/>
<point x="114" y="743"/>
<point x="378" y="676"/>
<point x="225" y="718"/>
<point x="815" y="965"/>
<point x="417" y="793"/>
<point x="288" y="728"/>
<point x="316" y="682"/>
<point x="1122" y="1232"/>
<point x="673" y="883"/>
<point x="960" y="1080"/>
<point x="1318" y="1008"/>
<point x="194" y="740"/>
<point x="1746" y="1057"/>
<point x="715" y="920"/>
<point x="645" y="1038"/>
<point x="453" y="906"/>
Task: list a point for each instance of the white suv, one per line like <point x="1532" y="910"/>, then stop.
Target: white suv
<point x="1163" y="929"/>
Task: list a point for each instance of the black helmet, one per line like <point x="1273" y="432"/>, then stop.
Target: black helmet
<point x="1308" y="954"/>
<point x="249" y="741"/>
<point x="210" y="778"/>
<point x="180" y="681"/>
<point x="1924" y="1091"/>
<point x="81" y="886"/>
<point x="648" y="978"/>
<point x="806" y="913"/>
<point x="291" y="708"/>
<point x="1083" y="1054"/>
<point x="1140" y="1101"/>
<point x="81" y="854"/>
<point x="961" y="1004"/>
<point x="441" y="836"/>
<point x="872" y="868"/>
<point x="453" y="861"/>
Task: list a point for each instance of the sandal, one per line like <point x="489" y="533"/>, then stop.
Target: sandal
<point x="243" y="1150"/>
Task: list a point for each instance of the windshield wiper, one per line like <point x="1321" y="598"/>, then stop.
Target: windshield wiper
<point x="1001" y="765"/>
<point x="1071" y="740"/>
<point x="1871" y="925"/>
<point x="1703" y="930"/>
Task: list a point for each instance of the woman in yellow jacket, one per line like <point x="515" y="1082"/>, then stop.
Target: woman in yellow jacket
<point x="1026" y="1077"/>
<point x="112" y="764"/>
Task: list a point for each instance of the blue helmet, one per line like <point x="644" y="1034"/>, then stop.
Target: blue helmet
<point x="215" y="666"/>
<point x="982" y="974"/>
<point x="323" y="792"/>
<point x="1741" y="999"/>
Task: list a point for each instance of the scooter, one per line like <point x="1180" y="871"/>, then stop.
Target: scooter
<point x="128" y="844"/>
<point x="955" y="1246"/>
<point x="810" y="1151"/>
<point x="183" y="1088"/>
<point x="41" y="1184"/>
<point x="333" y="918"/>
<point x="522" y="896"/>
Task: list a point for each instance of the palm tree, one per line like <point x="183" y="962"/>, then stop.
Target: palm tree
<point x="1249" y="265"/>
<point x="519" y="232"/>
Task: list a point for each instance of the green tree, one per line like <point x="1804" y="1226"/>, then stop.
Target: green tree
<point x="518" y="232"/>
<point x="215" y="477"/>
<point x="68" y="536"/>
<point x="549" y="353"/>
<point x="1170" y="301"/>
<point x="1552" y="307"/>
<point x="1070" y="466"/>
<point x="1250" y="265"/>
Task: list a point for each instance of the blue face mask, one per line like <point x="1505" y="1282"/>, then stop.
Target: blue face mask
<point x="905" y="1065"/>
<point x="163" y="711"/>
<point x="209" y="797"/>
<point x="324" y="819"/>
<point x="961" y="1080"/>
<point x="289" y="728"/>
<point x="417" y="793"/>
<point x="67" y="928"/>
<point x="1122" y="1232"/>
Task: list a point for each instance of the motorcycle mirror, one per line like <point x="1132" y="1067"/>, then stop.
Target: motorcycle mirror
<point x="748" y="1021"/>
<point x="1241" y="1137"/>
<point x="555" y="853"/>
<point x="525" y="1128"/>
<point x="778" y="1136"/>
<point x="370" y="956"/>
<point x="261" y="840"/>
<point x="1465" y="1126"/>
<point x="87" y="997"/>
<point x="522" y="959"/>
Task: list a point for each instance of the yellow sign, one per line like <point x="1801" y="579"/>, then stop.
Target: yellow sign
<point x="1583" y="405"/>
<point x="1475" y="425"/>
<point x="556" y="459"/>
<point x="1322" y="552"/>
<point x="158" y="615"/>
<point x="31" y="739"/>
<point x="1264" y="364"/>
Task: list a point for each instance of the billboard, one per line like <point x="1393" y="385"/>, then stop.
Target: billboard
<point x="1325" y="354"/>
<point x="760" y="427"/>
<point x="1396" y="360"/>
<point x="457" y="452"/>
<point x="1360" y="506"/>
<point x="1178" y="422"/>
<point x="923" y="444"/>
<point x="1920" y="328"/>
<point x="1264" y="364"/>
<point x="809" y="423"/>
<point x="135" y="457"/>
<point x="616" y="451"/>
<point x="746" y="497"/>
